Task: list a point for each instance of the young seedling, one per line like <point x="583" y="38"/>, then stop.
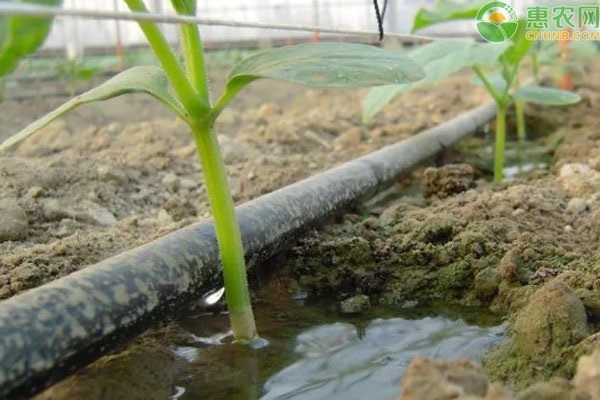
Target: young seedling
<point x="507" y="90"/>
<point x="441" y="59"/>
<point x="19" y="37"/>
<point x="184" y="90"/>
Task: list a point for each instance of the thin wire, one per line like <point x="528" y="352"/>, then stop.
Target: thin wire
<point x="45" y="11"/>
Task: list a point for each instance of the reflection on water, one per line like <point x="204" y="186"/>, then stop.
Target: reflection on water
<point x="512" y="171"/>
<point x="339" y="362"/>
<point x="317" y="353"/>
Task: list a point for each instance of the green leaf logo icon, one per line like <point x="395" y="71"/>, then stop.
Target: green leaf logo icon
<point x="497" y="22"/>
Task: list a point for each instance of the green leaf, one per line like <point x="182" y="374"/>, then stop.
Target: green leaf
<point x="322" y="64"/>
<point x="20" y="36"/>
<point x="520" y="45"/>
<point x="147" y="79"/>
<point x="379" y="97"/>
<point x="496" y="79"/>
<point x="328" y="64"/>
<point x="443" y="58"/>
<point x="184" y="7"/>
<point x="440" y="60"/>
<point x="547" y="96"/>
<point x="445" y="11"/>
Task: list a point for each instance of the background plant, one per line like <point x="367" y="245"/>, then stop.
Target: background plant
<point x="496" y="65"/>
<point x="183" y="88"/>
<point x="19" y="37"/>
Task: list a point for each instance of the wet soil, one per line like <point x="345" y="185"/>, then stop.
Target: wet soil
<point x="114" y="175"/>
<point x="526" y="249"/>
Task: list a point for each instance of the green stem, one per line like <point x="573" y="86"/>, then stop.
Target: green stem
<point x="227" y="231"/>
<point x="197" y="103"/>
<point x="488" y="85"/>
<point x="510" y="79"/>
<point x="192" y="49"/>
<point x="500" y="141"/>
<point x="520" y="113"/>
<point x="194" y="59"/>
<point x="193" y="103"/>
<point x="228" y="94"/>
<point x="535" y="66"/>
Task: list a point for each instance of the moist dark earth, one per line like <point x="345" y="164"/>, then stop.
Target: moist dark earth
<point x="114" y="175"/>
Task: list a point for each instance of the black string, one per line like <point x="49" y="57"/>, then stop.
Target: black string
<point x="380" y="15"/>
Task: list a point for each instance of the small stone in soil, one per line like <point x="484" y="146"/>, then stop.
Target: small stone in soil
<point x="66" y="227"/>
<point x="577" y="205"/>
<point x="171" y="182"/>
<point x="556" y="389"/>
<point x="96" y="214"/>
<point x="190" y="184"/>
<point x="575" y="169"/>
<point x="112" y="173"/>
<point x="351" y="138"/>
<point x="587" y="378"/>
<point x="410" y="304"/>
<point x="439" y="379"/>
<point x="355" y="305"/>
<point x="24" y="277"/>
<point x="553" y="318"/>
<point x="53" y="210"/>
<point x="268" y="110"/>
<point x="34" y="192"/>
<point x="13" y="221"/>
<point x="371" y="223"/>
<point x="509" y="265"/>
<point x="448" y="180"/>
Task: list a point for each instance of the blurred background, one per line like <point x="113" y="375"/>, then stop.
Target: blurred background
<point x="78" y="35"/>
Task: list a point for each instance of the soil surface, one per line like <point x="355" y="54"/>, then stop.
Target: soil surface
<point x="111" y="176"/>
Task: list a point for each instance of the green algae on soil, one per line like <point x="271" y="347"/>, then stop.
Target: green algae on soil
<point x="526" y="249"/>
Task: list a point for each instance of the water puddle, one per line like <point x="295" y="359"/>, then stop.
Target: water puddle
<point x="341" y="362"/>
<point x="317" y="353"/>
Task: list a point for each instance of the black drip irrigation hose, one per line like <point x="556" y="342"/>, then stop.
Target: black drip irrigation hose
<point x="53" y="330"/>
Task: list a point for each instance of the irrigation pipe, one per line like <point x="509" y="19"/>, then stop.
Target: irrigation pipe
<point x="53" y="330"/>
